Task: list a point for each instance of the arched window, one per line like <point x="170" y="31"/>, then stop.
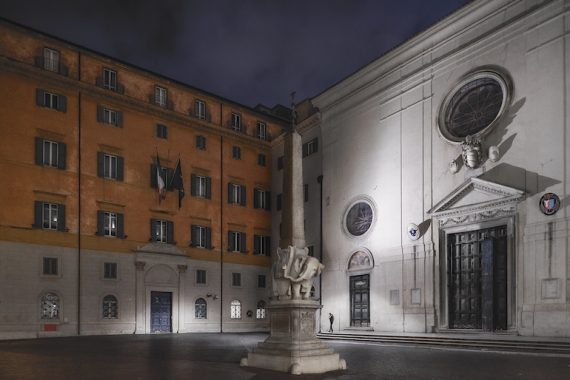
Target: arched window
<point x="235" y="309"/>
<point x="50" y="306"/>
<point x="201" y="308"/>
<point x="260" y="314"/>
<point x="110" y="307"/>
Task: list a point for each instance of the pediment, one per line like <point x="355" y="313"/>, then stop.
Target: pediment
<point x="475" y="196"/>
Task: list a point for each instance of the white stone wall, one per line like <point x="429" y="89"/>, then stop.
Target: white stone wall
<point x="380" y="140"/>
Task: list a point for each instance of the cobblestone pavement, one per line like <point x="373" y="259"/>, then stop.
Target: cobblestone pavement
<point x="217" y="356"/>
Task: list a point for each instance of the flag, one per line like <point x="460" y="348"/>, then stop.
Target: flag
<point x="160" y="186"/>
<point x="177" y="182"/>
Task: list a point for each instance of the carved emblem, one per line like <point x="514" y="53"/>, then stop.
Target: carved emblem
<point x="549" y="203"/>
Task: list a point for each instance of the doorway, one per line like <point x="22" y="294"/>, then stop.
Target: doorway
<point x="360" y="300"/>
<point x="477" y="279"/>
<point x="160" y="312"/>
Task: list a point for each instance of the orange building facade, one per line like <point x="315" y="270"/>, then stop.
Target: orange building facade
<point x="87" y="243"/>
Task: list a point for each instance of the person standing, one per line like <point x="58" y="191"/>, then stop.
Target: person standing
<point x="331" y="319"/>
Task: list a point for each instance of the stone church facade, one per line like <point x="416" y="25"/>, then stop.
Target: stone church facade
<point x="445" y="178"/>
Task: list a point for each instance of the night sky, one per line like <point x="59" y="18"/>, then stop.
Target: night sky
<point x="248" y="51"/>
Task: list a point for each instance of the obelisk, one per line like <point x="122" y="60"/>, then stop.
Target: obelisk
<point x="292" y="345"/>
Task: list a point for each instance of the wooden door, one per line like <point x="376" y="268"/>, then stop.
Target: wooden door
<point x="360" y="300"/>
<point x="160" y="312"/>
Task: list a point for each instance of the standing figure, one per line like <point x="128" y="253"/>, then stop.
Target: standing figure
<point x="331" y="319"/>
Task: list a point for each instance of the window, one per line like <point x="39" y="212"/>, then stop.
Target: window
<point x="110" y="307"/>
<point x="306" y="192"/>
<point x="160" y="96"/>
<point x="261" y="199"/>
<point x="50" y="153"/>
<point x="260" y="313"/>
<point x="200" y="276"/>
<point x="162" y="231"/>
<point x="161" y="131"/>
<point x="236" y="279"/>
<point x="261" y="245"/>
<point x="110" y="224"/>
<point x="50" y="211"/>
<point x="261" y="130"/>
<point x="110" y="79"/>
<point x="50" y="216"/>
<point x="200" y="309"/>
<point x="310" y="147"/>
<point x="110" y="166"/>
<point x="200" y="109"/>
<point x="236" y="194"/>
<point x="50" y="100"/>
<point x="201" y="236"/>
<point x="237" y="241"/>
<point x="236" y="122"/>
<point x="110" y="271"/>
<point x="201" y="142"/>
<point x="235" y="309"/>
<point x="109" y="116"/>
<point x="236" y="152"/>
<point x="201" y="186"/>
<point x="110" y="163"/>
<point x="311" y="249"/>
<point x="49" y="307"/>
<point x="280" y="163"/>
<point x="279" y="201"/>
<point x="50" y="266"/>
<point x="261" y="281"/>
<point x="51" y="60"/>
<point x="261" y="159"/>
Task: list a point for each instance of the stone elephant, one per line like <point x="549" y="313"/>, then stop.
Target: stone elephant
<point x="303" y="270"/>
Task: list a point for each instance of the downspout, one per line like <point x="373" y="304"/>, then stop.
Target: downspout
<point x="221" y="227"/>
<point x="79" y="197"/>
<point x="320" y="181"/>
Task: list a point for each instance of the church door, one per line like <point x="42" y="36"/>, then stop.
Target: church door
<point x="360" y="300"/>
<point x="160" y="312"/>
<point x="477" y="279"/>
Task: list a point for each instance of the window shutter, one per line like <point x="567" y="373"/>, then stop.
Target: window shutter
<point x="119" y="118"/>
<point x="316" y="144"/>
<point x="193" y="185"/>
<point x="268" y="246"/>
<point x="39" y="151"/>
<point x="170" y="232"/>
<point x="209" y="187"/>
<point x="255" y="198"/>
<point x="231" y="245"/>
<point x="38" y="207"/>
<point x="40" y="97"/>
<point x="120" y="168"/>
<point x="243" y="243"/>
<point x="243" y="196"/>
<point x="60" y="217"/>
<point x="61" y="155"/>
<point x="208" y="238"/>
<point x="230" y="188"/>
<point x="152" y="229"/>
<point x="62" y="103"/>
<point x="268" y="200"/>
<point x="100" y="222"/>
<point x="121" y="226"/>
<point x="100" y="164"/>
<point x="100" y="114"/>
<point x="194" y="235"/>
<point x="255" y="244"/>
<point x="153" y="183"/>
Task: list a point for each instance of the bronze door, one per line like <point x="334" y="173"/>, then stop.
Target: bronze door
<point x="477" y="279"/>
<point x="360" y="300"/>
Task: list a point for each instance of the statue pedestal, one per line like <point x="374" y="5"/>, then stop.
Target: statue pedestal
<point x="292" y="345"/>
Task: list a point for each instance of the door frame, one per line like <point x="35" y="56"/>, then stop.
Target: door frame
<point x="351" y="293"/>
<point x="173" y="310"/>
<point x="510" y="222"/>
<point x="171" y="313"/>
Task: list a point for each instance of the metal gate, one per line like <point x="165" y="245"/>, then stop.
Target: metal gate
<point x="160" y="312"/>
<point x="360" y="300"/>
<point x="477" y="279"/>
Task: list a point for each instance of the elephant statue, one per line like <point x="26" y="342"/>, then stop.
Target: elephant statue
<point x="307" y="269"/>
<point x="293" y="273"/>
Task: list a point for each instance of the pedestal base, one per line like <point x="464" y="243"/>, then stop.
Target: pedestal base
<point x="292" y="345"/>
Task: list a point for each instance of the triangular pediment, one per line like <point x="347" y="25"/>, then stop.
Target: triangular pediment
<point x="476" y="195"/>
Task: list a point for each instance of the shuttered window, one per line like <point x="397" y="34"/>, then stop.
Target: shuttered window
<point x="109" y="116"/>
<point x="236" y="194"/>
<point x="261" y="199"/>
<point x="261" y="245"/>
<point x="201" y="142"/>
<point x="237" y="241"/>
<point x="50" y="153"/>
<point x="311" y="147"/>
<point x="49" y="216"/>
<point x="51" y="100"/>
<point x="110" y="166"/>
<point x="201" y="236"/>
<point x="201" y="186"/>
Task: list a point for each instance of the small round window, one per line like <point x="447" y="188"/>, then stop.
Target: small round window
<point x="474" y="106"/>
<point x="359" y="218"/>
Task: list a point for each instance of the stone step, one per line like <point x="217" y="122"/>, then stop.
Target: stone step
<point x="499" y="344"/>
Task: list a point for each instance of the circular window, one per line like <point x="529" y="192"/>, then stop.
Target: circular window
<point x="474" y="106"/>
<point x="359" y="218"/>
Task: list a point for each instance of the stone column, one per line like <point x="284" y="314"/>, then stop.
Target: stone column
<point x="181" y="297"/>
<point x="140" y="304"/>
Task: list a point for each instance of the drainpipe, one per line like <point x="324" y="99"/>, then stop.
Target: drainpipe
<point x="221" y="229"/>
<point x="320" y="181"/>
<point x="79" y="197"/>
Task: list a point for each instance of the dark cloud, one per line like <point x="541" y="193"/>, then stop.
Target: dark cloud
<point x="251" y="51"/>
